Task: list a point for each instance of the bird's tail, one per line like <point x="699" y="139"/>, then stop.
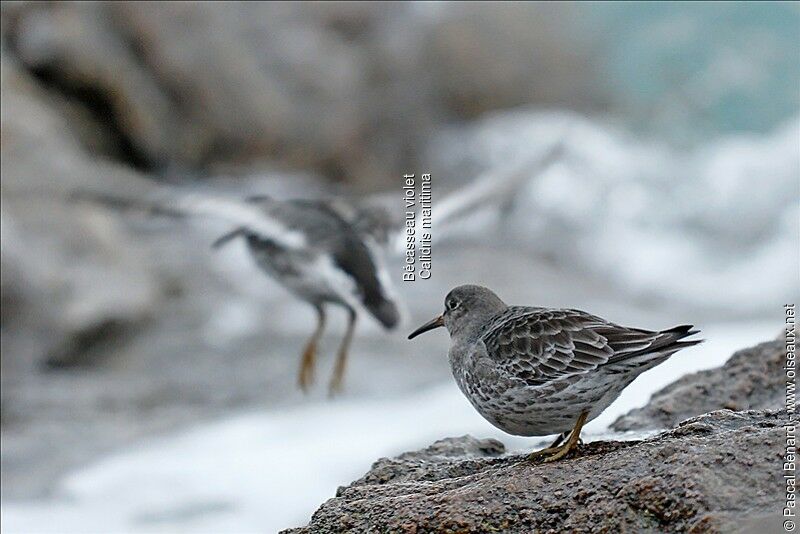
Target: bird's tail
<point x="663" y="345"/>
<point x="384" y="310"/>
<point x="673" y="337"/>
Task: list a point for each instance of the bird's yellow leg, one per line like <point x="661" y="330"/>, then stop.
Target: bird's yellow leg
<point x="574" y="437"/>
<point x="553" y="453"/>
<point x="341" y="358"/>
<point x="537" y="455"/>
<point x="308" y="360"/>
<point x="553" y="447"/>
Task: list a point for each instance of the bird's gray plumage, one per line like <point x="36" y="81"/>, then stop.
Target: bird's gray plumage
<point x="533" y="371"/>
<point x="332" y="264"/>
<point x="328" y="238"/>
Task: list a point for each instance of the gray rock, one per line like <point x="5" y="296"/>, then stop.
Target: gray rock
<point x="85" y="286"/>
<point x="349" y="90"/>
<point x="416" y="465"/>
<point x="492" y="57"/>
<point x="752" y="379"/>
<point x="78" y="50"/>
<point x="713" y="473"/>
<point x="71" y="270"/>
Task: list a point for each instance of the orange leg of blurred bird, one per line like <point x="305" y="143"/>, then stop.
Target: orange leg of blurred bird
<point x="341" y="358"/>
<point x="553" y="453"/>
<point x="308" y="361"/>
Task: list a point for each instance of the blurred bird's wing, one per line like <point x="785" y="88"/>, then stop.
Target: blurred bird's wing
<point x="376" y="218"/>
<point x="175" y="203"/>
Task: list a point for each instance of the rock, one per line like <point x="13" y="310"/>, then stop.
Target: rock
<point x="511" y="67"/>
<point x="752" y="379"/>
<point x="78" y="52"/>
<point x="679" y="481"/>
<point x="416" y="465"/>
<point x="71" y="270"/>
<point x="351" y="91"/>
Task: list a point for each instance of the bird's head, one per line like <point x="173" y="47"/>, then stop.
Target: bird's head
<point x="465" y="307"/>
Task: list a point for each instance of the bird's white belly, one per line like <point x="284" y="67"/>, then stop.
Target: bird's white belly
<point x="312" y="277"/>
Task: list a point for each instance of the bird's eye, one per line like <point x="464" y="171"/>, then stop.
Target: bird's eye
<point x="452" y="304"/>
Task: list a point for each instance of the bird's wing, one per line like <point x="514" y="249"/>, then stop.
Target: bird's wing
<point x="331" y="235"/>
<point x="373" y="288"/>
<point x="376" y="218"/>
<point x="538" y="345"/>
<point x="175" y="203"/>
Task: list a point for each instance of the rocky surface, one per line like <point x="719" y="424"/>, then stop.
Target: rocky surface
<point x="714" y="473"/>
<point x="752" y="379"/>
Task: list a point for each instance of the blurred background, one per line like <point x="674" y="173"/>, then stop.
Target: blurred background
<point x="148" y="383"/>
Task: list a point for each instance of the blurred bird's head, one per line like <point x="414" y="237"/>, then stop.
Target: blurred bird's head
<point x="465" y="308"/>
<point x="375" y="221"/>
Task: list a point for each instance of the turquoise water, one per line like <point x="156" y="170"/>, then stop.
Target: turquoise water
<point x="696" y="69"/>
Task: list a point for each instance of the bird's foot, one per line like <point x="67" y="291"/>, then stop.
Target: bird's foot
<point x="560" y="453"/>
<point x="336" y="385"/>
<point x="305" y="380"/>
<point x="551" y="454"/>
<point x="334" y="390"/>
<point x="542" y="454"/>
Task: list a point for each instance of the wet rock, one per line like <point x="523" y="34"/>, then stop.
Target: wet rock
<point x="78" y="52"/>
<point x="751" y="379"/>
<point x="709" y="475"/>
<point x="417" y="465"/>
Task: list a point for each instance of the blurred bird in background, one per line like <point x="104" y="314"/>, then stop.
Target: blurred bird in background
<point x="328" y="251"/>
<point x="326" y="261"/>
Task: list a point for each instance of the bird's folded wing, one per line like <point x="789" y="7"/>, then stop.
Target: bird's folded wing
<point x="540" y="345"/>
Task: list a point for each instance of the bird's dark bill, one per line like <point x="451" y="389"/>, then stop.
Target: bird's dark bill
<point x="430" y="325"/>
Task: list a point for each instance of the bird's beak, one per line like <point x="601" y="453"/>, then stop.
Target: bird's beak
<point x="430" y="325"/>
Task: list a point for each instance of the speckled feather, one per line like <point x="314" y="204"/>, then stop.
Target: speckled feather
<point x="538" y="345"/>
